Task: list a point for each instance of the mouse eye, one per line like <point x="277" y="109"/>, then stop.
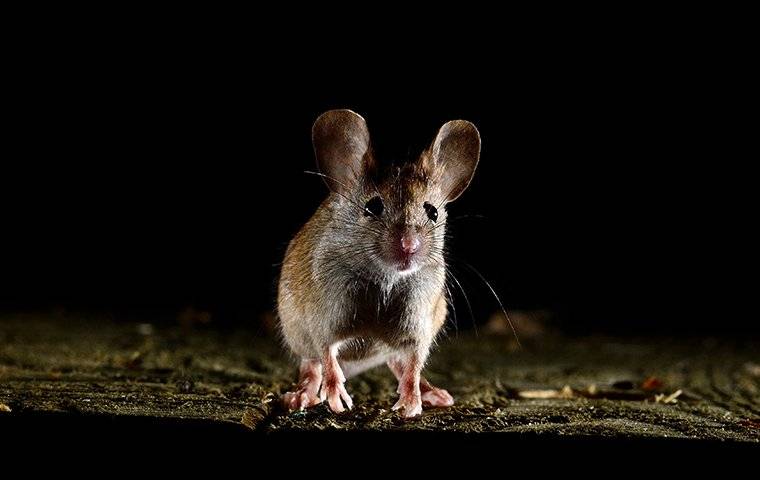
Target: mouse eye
<point x="432" y="212"/>
<point x="374" y="208"/>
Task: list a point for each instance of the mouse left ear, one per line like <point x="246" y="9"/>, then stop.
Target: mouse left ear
<point x="455" y="153"/>
<point x="341" y="144"/>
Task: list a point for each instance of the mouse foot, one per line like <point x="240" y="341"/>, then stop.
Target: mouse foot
<point x="336" y="395"/>
<point x="435" y="397"/>
<point x="410" y="403"/>
<point x="333" y="385"/>
<point x="431" y="396"/>
<point x="410" y="399"/>
<point x="299" y="400"/>
<point x="309" y="379"/>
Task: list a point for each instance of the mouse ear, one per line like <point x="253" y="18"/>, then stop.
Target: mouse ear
<point x="455" y="153"/>
<point x="341" y="144"/>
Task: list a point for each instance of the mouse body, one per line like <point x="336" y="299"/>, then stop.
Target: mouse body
<point x="363" y="282"/>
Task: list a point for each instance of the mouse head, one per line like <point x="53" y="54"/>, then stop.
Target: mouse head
<point x="393" y="215"/>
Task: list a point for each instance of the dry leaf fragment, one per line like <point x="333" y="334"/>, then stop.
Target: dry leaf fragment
<point x="566" y="392"/>
<point x="672" y="398"/>
<point x="538" y="394"/>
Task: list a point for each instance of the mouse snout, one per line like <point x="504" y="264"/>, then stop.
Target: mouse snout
<point x="404" y="248"/>
<point x="410" y="242"/>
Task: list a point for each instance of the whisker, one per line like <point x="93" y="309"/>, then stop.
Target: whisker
<point x="453" y="308"/>
<point x="450" y="273"/>
<point x="466" y="299"/>
<point x="493" y="292"/>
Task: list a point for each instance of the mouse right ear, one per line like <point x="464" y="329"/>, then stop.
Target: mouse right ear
<point x="341" y="144"/>
<point x="455" y="152"/>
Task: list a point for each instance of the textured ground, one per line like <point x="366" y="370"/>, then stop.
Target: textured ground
<point x="84" y="369"/>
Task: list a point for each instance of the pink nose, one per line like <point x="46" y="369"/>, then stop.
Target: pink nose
<point x="410" y="243"/>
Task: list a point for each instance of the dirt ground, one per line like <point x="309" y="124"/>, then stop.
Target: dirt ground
<point x="554" y="386"/>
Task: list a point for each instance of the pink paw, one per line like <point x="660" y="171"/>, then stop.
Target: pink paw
<point x="335" y="393"/>
<point x="411" y="403"/>
<point x="437" y="397"/>
<point x="300" y="399"/>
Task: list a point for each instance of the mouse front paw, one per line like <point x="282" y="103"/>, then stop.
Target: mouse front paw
<point x="336" y="395"/>
<point x="309" y="379"/>
<point x="300" y="399"/>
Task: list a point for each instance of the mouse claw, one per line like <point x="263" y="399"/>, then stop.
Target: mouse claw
<point x="336" y="395"/>
<point x="308" y="401"/>
<point x="437" y="397"/>
<point x="412" y="407"/>
<point x="305" y="396"/>
<point x="299" y="400"/>
<point x="410" y="399"/>
<point x="346" y="397"/>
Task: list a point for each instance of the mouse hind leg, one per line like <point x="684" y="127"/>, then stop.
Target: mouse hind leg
<point x="333" y="385"/>
<point x="431" y="396"/>
<point x="309" y="381"/>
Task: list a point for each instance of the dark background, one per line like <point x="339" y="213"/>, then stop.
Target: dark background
<point x="148" y="175"/>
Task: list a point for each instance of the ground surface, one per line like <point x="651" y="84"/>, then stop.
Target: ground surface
<point x="554" y="387"/>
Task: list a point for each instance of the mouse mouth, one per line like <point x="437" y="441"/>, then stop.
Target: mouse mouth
<point x="399" y="265"/>
<point x="404" y="264"/>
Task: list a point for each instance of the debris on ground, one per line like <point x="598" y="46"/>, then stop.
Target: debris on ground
<point x="574" y="387"/>
<point x="672" y="398"/>
<point x="564" y="392"/>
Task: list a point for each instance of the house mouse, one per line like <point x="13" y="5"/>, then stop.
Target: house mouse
<point x="363" y="281"/>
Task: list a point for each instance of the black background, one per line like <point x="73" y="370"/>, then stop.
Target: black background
<point x="148" y="175"/>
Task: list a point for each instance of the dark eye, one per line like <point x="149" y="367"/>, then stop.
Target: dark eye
<point x="432" y="212"/>
<point x="374" y="207"/>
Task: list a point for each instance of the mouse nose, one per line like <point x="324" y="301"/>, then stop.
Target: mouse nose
<point x="410" y="243"/>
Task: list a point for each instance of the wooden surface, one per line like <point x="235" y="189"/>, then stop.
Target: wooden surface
<point x="553" y="387"/>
